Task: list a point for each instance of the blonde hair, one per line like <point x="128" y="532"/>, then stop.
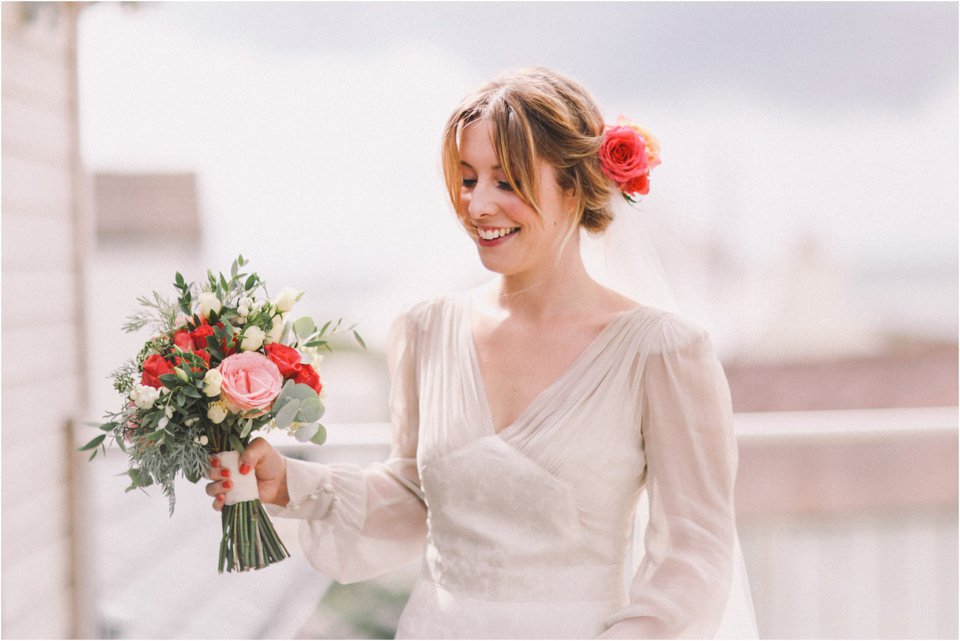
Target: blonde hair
<point x="537" y="114"/>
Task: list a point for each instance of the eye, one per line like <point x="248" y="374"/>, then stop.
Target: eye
<point x="504" y="185"/>
<point x="469" y="183"/>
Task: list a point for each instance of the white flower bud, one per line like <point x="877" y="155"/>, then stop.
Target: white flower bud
<point x="276" y="330"/>
<point x="208" y="302"/>
<point x="252" y="339"/>
<point x="211" y="382"/>
<point x="217" y="412"/>
<point x="286" y="299"/>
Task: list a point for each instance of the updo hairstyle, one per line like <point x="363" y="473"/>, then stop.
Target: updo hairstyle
<point x="537" y="114"/>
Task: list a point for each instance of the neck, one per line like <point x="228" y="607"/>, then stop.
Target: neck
<point x="558" y="289"/>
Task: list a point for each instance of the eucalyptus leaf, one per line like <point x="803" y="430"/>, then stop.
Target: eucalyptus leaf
<point x="306" y="432"/>
<point x="320" y="436"/>
<point x="310" y="410"/>
<point x="359" y="340"/>
<point x="287" y="413"/>
<point x="304" y="327"/>
<point x="236" y="444"/>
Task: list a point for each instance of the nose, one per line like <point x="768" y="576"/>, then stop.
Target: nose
<point x="480" y="201"/>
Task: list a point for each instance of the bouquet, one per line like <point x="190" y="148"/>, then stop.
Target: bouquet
<point x="224" y="362"/>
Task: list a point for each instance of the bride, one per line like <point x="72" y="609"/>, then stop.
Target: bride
<point x="530" y="416"/>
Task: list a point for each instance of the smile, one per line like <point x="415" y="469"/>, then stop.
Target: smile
<point x="492" y="234"/>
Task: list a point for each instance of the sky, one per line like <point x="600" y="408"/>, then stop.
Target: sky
<point x="314" y="129"/>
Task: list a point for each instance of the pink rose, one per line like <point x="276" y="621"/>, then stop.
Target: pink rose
<point x="250" y="382"/>
<point x="623" y="154"/>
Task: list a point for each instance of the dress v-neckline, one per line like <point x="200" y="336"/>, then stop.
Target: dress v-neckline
<point x="467" y="340"/>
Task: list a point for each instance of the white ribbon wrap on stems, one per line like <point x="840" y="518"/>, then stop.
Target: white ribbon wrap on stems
<point x="244" y="485"/>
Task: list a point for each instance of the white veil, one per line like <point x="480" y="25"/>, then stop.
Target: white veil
<point x="624" y="259"/>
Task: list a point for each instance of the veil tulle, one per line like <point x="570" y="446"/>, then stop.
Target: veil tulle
<point x="624" y="259"/>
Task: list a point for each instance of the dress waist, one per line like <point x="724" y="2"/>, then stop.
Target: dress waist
<point x="512" y="582"/>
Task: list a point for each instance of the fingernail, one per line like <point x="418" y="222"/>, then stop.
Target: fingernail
<point x="225" y="473"/>
<point x="227" y="485"/>
<point x="215" y="462"/>
<point x="244" y="468"/>
<point x="221" y="497"/>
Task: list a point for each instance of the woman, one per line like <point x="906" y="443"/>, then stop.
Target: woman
<point x="530" y="414"/>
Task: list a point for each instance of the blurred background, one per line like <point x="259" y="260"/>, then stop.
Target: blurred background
<point x="805" y="214"/>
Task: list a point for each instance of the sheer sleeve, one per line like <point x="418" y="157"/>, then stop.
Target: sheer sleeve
<point x="359" y="523"/>
<point x="682" y="585"/>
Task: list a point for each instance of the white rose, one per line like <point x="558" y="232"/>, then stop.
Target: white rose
<point x="217" y="412"/>
<point x="211" y="382"/>
<point x="313" y="354"/>
<point x="276" y="330"/>
<point x="287" y="297"/>
<point x="208" y="302"/>
<point x="252" y="339"/>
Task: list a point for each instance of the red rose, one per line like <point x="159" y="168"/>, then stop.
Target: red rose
<point x="153" y="368"/>
<point x="308" y="376"/>
<point x="285" y="358"/>
<point x="638" y="185"/>
<point x="623" y="154"/>
<point x="196" y="368"/>
<point x="200" y="335"/>
<point x="183" y="340"/>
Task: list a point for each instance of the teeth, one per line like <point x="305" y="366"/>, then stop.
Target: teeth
<point x="490" y="234"/>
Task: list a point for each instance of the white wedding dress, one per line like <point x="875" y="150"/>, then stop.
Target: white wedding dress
<point x="526" y="533"/>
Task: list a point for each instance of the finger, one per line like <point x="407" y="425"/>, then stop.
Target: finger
<point x="218" y="502"/>
<point x="218" y="487"/>
<point x="213" y="469"/>
<point x="252" y="454"/>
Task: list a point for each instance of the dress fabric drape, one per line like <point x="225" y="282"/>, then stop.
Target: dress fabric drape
<point x="524" y="533"/>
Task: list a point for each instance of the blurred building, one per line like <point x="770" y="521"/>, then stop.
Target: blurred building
<point x="46" y="235"/>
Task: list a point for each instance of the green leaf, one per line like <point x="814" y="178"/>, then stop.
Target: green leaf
<point x="109" y="427"/>
<point x="97" y="440"/>
<point x="235" y="443"/>
<point x="287" y="413"/>
<point x="250" y="282"/>
<point x="154" y="436"/>
<point x="248" y="427"/>
<point x="192" y="477"/>
<point x="324" y="330"/>
<point x="311" y="409"/>
<point x="304" y="327"/>
<point x="306" y="432"/>
<point x="234" y="268"/>
<point x="191" y="391"/>
<point x="320" y="436"/>
<point x="359" y="340"/>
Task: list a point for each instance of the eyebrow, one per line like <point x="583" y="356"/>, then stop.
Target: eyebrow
<point x="464" y="163"/>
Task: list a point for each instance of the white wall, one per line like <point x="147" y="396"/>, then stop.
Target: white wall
<point x="43" y="367"/>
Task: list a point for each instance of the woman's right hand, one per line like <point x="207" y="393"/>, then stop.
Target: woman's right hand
<point x="258" y="458"/>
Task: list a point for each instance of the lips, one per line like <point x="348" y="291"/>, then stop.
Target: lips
<point x="492" y="233"/>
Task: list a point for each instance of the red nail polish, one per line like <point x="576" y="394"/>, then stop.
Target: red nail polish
<point x="244" y="469"/>
<point x="225" y="473"/>
<point x="221" y="497"/>
<point x="215" y="462"/>
<point x="227" y="485"/>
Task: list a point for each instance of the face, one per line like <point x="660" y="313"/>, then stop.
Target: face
<point x="511" y="237"/>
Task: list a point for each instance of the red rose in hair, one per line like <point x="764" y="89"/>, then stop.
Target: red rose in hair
<point x="287" y="359"/>
<point x="623" y="154"/>
<point x="153" y="368"/>
<point x="308" y="376"/>
<point x="638" y="185"/>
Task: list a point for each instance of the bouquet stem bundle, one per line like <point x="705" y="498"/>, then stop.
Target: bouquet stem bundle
<point x="249" y="540"/>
